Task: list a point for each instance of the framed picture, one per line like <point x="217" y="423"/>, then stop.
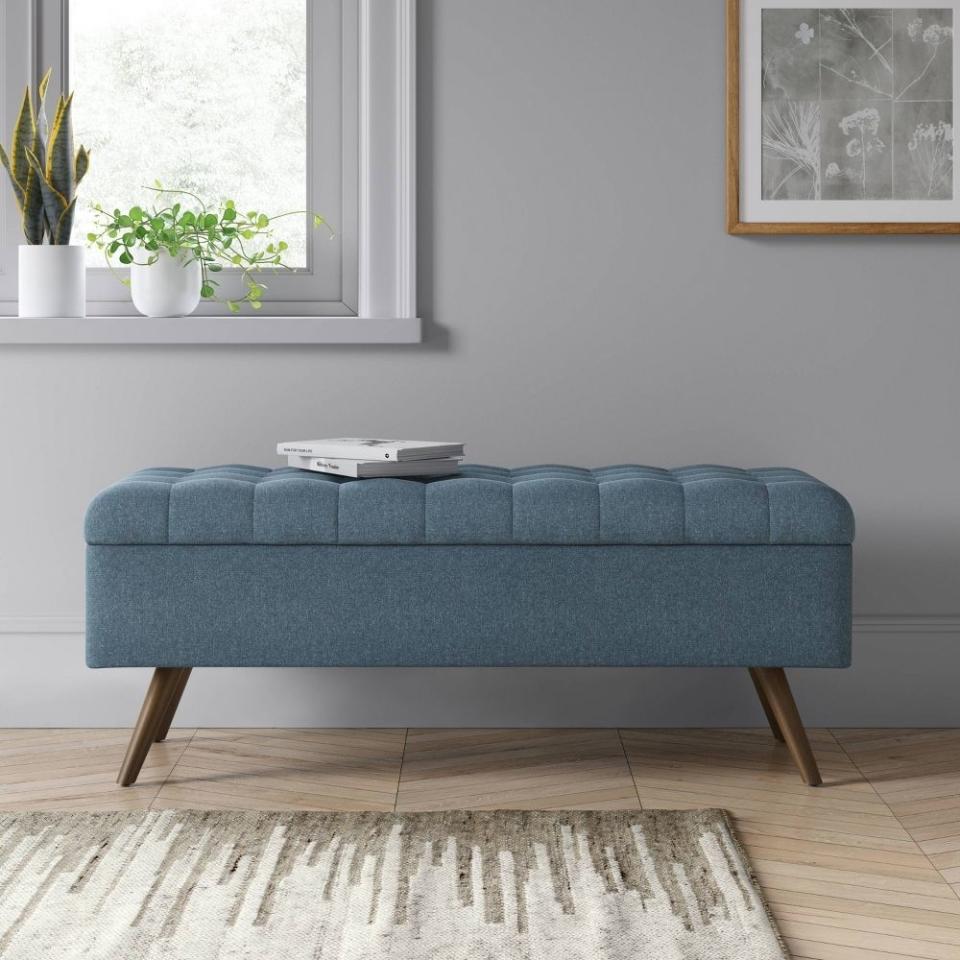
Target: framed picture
<point x="840" y="119"/>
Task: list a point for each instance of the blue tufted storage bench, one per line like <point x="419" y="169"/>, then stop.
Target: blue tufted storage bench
<point x="546" y="565"/>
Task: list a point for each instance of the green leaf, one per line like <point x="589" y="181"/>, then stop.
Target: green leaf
<point x="81" y="164"/>
<point x="60" y="168"/>
<point x="44" y="83"/>
<point x="263" y="220"/>
<point x="17" y="189"/>
<point x="136" y="214"/>
<point x="125" y="258"/>
<point x="233" y="307"/>
<point x="156" y="224"/>
<point x="124" y="221"/>
<point x="230" y="205"/>
<point x="26" y="175"/>
<point x="209" y="221"/>
<point x="229" y="214"/>
<point x="215" y="268"/>
<point x="189" y="219"/>
<point x="256" y="304"/>
<point x="207" y="291"/>
<point x="129" y="239"/>
<point x="92" y="237"/>
<point x="114" y="247"/>
<point x="24" y="138"/>
<point x="60" y="235"/>
<point x="282" y="245"/>
<point x="54" y="204"/>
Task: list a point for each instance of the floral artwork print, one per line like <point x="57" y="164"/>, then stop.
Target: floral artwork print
<point x="857" y="104"/>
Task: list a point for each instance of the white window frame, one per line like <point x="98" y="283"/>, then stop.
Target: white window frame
<point x="383" y="309"/>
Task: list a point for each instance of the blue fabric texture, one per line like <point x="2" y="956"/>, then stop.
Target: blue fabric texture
<point x="628" y="565"/>
<point x="481" y="605"/>
<point x="481" y="505"/>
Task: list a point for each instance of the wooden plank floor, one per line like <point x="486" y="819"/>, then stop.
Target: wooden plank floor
<point x="866" y="867"/>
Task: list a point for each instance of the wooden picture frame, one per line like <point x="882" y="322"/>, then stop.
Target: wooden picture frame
<point x="737" y="224"/>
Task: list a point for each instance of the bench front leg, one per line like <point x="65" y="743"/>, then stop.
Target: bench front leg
<point x="156" y="704"/>
<point x="781" y="711"/>
<point x="178" y="689"/>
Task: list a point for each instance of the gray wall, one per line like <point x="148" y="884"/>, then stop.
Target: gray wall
<point x="583" y="303"/>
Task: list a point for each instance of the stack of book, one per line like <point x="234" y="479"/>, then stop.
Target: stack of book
<point x="362" y="457"/>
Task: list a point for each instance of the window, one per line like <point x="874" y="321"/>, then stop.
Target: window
<point x="279" y="105"/>
<point x="187" y="94"/>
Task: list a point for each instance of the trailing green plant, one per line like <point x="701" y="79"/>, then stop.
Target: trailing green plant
<point x="217" y="238"/>
<point x="43" y="169"/>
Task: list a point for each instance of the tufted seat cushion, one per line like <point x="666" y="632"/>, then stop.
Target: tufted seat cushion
<point x="481" y="505"/>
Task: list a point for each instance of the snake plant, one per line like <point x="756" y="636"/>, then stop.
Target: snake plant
<point x="43" y="169"/>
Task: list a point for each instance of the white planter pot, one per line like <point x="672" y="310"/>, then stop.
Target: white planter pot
<point x="168" y="288"/>
<point x="52" y="281"/>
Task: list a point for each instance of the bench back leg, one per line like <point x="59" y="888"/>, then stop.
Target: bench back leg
<point x="156" y="703"/>
<point x="765" y="703"/>
<point x="781" y="710"/>
<point x="167" y="721"/>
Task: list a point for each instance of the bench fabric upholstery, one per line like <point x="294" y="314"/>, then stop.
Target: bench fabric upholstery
<point x="481" y="505"/>
<point x="627" y="565"/>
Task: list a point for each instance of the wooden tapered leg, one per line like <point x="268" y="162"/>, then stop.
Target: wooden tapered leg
<point x="167" y="722"/>
<point x="152" y="713"/>
<point x="773" y="687"/>
<point x="765" y="703"/>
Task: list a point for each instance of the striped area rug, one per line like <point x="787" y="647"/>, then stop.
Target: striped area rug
<point x="197" y="885"/>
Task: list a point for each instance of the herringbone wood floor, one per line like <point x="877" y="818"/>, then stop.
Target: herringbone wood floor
<point x="866" y="867"/>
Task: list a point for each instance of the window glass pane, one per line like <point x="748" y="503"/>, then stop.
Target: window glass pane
<point x="204" y="95"/>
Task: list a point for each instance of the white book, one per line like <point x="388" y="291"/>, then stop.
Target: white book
<point x="367" y="469"/>
<point x="360" y="448"/>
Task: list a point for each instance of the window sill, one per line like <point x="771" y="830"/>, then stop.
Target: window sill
<point x="196" y="330"/>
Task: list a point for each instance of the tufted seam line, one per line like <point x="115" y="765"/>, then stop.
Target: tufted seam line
<point x="423" y="513"/>
<point x="598" y="534"/>
<point x="683" y="500"/>
<point x="766" y="490"/>
<point x="339" y="508"/>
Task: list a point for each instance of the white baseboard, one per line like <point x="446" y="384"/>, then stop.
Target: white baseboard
<point x="867" y="624"/>
<point x="905" y="673"/>
<point x="64" y="626"/>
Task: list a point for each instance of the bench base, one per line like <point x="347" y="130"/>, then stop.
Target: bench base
<point x="168" y="683"/>
<point x="618" y="605"/>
